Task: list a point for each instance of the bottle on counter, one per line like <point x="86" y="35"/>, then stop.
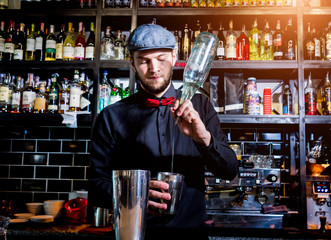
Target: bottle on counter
<point x="220" y="53"/>
<point x="28" y="96"/>
<point x="243" y="45"/>
<point x="327" y="96"/>
<point x="75" y="92"/>
<point x="310" y="98"/>
<point x="231" y="43"/>
<point x="254" y="42"/>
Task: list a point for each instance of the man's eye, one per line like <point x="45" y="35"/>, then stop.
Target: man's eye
<point x="162" y="59"/>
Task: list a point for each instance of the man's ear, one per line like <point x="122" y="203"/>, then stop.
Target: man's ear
<point x="174" y="54"/>
<point x="132" y="64"/>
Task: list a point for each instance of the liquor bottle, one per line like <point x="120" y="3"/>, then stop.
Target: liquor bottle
<point x="262" y="3"/>
<point x="64" y="97"/>
<point x="328" y="42"/>
<point x="19" y="44"/>
<point x="69" y="45"/>
<point x="186" y="43"/>
<point x="2" y="40"/>
<point x="40" y="43"/>
<point x="209" y="28"/>
<point x="30" y="52"/>
<point x="3" y="4"/>
<point x="107" y="46"/>
<point x="254" y="42"/>
<point x="317" y="44"/>
<point x="195" y="34"/>
<point x="220" y="53"/>
<point x="90" y="44"/>
<point x="227" y="3"/>
<point x="40" y="102"/>
<point x="270" y="3"/>
<point x="28" y="95"/>
<point x="310" y="97"/>
<point x="127" y="3"/>
<point x="119" y="46"/>
<point x="4" y="94"/>
<point x="278" y="43"/>
<point x="116" y="92"/>
<point x="279" y="3"/>
<point x="87" y="97"/>
<point x="16" y="103"/>
<point x="53" y="95"/>
<point x="59" y="43"/>
<point x="10" y="42"/>
<point x="327" y="96"/>
<point x="290" y="41"/>
<point x="104" y="93"/>
<point x="110" y="3"/>
<point x="323" y="43"/>
<point x="253" y="3"/>
<point x="287" y="101"/>
<point x="243" y="45"/>
<point x="75" y="92"/>
<point x="178" y="44"/>
<point x="266" y="50"/>
<point x="231" y="43"/>
<point x="235" y="3"/>
<point x="80" y="44"/>
<point x="50" y="49"/>
<point x="244" y="3"/>
<point x="82" y="82"/>
<point x="309" y="44"/>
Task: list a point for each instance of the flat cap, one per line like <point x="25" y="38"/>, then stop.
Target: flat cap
<point x="150" y="36"/>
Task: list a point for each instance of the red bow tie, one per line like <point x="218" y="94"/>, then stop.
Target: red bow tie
<point x="162" y="102"/>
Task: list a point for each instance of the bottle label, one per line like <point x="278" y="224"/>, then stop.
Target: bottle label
<point x="278" y="41"/>
<point x="4" y="94"/>
<point x="279" y="3"/>
<point x="50" y="44"/>
<point x="16" y="99"/>
<point x="75" y="96"/>
<point x="79" y="52"/>
<point x="28" y="99"/>
<point x="317" y="48"/>
<point x="31" y="44"/>
<point x="18" y="54"/>
<point x="253" y="3"/>
<point x="52" y="107"/>
<point x="220" y="51"/>
<point x="327" y="99"/>
<point x="227" y="3"/>
<point x="39" y="43"/>
<point x="288" y="3"/>
<point x="68" y="52"/>
<point x="235" y="3"/>
<point x="59" y="51"/>
<point x="84" y="102"/>
<point x="40" y="104"/>
<point x="2" y="44"/>
<point x="9" y="47"/>
<point x="262" y="3"/>
<point x="244" y="3"/>
<point x="310" y="103"/>
<point x="90" y="52"/>
<point x="271" y="3"/>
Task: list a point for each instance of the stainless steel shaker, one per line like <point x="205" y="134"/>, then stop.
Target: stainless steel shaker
<point x="130" y="198"/>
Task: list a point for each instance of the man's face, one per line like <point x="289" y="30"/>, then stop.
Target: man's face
<point x="154" y="68"/>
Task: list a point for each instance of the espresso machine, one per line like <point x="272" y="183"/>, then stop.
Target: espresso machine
<point x="319" y="205"/>
<point x="248" y="200"/>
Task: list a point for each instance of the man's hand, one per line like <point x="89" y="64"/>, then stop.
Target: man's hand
<point x="156" y="189"/>
<point x="190" y="123"/>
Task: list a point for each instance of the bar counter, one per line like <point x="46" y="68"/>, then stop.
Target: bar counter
<point x="86" y="231"/>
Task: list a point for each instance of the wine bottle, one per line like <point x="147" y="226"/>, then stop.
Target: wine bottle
<point x="309" y="44"/>
<point x="90" y="44"/>
<point x="119" y="46"/>
<point x="231" y="43"/>
<point x="75" y="92"/>
<point x="278" y="43"/>
<point x="10" y="43"/>
<point x="30" y="52"/>
<point x="254" y="43"/>
<point x="2" y="40"/>
<point x="328" y="42"/>
<point x="69" y="45"/>
<point x="327" y="96"/>
<point x="266" y="43"/>
<point x="16" y="103"/>
<point x="19" y="44"/>
<point x="290" y="39"/>
<point x="50" y="49"/>
<point x="59" y="43"/>
<point x="107" y="45"/>
<point x="186" y="43"/>
<point x="220" y="53"/>
<point x="40" y="43"/>
<point x="243" y="45"/>
<point x="80" y="44"/>
<point x="310" y="97"/>
<point x="28" y="95"/>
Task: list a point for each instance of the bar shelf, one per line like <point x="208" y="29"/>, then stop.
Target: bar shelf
<point x="258" y="119"/>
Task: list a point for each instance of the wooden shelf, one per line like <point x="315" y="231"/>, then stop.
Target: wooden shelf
<point x="258" y="119"/>
<point x="115" y="64"/>
<point x="47" y="12"/>
<point x="318" y="119"/>
<point x="313" y="64"/>
<point x="116" y="12"/>
<point x="317" y="11"/>
<point x="48" y="65"/>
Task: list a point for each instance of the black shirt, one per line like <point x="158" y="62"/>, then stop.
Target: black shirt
<point x="129" y="135"/>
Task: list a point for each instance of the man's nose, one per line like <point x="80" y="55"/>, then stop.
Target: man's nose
<point x="153" y="65"/>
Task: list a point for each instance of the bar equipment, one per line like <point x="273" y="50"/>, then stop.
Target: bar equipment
<point x="130" y="197"/>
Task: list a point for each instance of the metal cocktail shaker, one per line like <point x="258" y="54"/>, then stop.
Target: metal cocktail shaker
<point x="130" y="198"/>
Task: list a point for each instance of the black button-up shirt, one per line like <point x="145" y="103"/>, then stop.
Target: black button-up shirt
<point x="129" y="135"/>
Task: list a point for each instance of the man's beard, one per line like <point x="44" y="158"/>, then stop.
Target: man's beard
<point x="156" y="90"/>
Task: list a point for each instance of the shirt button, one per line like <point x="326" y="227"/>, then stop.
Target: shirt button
<point x="163" y="134"/>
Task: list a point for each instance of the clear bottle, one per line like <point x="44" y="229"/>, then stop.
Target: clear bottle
<point x="317" y="43"/>
<point x="287" y="101"/>
<point x="10" y="42"/>
<point x="310" y="98"/>
<point x="4" y="94"/>
<point x="197" y="30"/>
<point x="328" y="43"/>
<point x="40" y="43"/>
<point x="80" y="44"/>
<point x="119" y="46"/>
<point x="16" y="103"/>
<point x="231" y="43"/>
<point x="323" y="43"/>
<point x="64" y="97"/>
<point x="59" y="43"/>
<point x="50" y="48"/>
<point x="186" y="43"/>
<point x="28" y="95"/>
<point x="69" y="45"/>
<point x="116" y="92"/>
<point x="327" y="96"/>
<point x="267" y="52"/>
<point x="290" y="39"/>
<point x="53" y="95"/>
<point x="243" y="45"/>
<point x="220" y="55"/>
<point x="30" y="52"/>
<point x="309" y="44"/>
<point x="90" y="44"/>
<point x="40" y="102"/>
<point x="19" y="44"/>
<point x="104" y="93"/>
<point x="178" y="44"/>
<point x="278" y="43"/>
<point x="107" y="45"/>
<point x="254" y="43"/>
<point x="75" y="92"/>
<point x="2" y="40"/>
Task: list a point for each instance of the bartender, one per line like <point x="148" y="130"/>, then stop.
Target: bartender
<point x="137" y="133"/>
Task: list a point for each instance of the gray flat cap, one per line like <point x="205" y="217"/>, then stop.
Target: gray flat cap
<point x="150" y="36"/>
